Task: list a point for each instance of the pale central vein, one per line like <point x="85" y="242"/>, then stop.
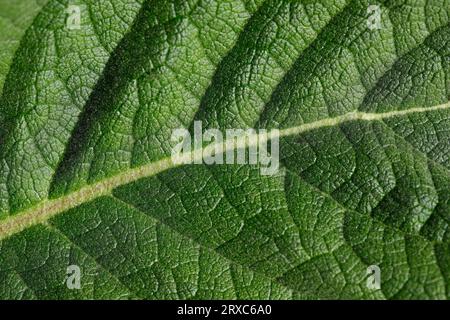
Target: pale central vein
<point x="49" y="208"/>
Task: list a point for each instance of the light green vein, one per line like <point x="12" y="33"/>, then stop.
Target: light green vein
<point x="50" y="208"/>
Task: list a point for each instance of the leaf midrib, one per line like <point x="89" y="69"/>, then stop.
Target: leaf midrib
<point x="49" y="208"/>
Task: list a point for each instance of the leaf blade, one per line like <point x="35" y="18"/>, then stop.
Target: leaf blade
<point x="364" y="154"/>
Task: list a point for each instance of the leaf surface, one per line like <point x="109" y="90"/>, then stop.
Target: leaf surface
<point x="87" y="179"/>
<point x="15" y="18"/>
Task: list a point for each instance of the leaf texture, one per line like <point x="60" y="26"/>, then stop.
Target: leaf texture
<point x="86" y="178"/>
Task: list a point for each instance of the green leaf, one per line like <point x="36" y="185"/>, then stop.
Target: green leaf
<point x="15" y="17"/>
<point x="362" y="116"/>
